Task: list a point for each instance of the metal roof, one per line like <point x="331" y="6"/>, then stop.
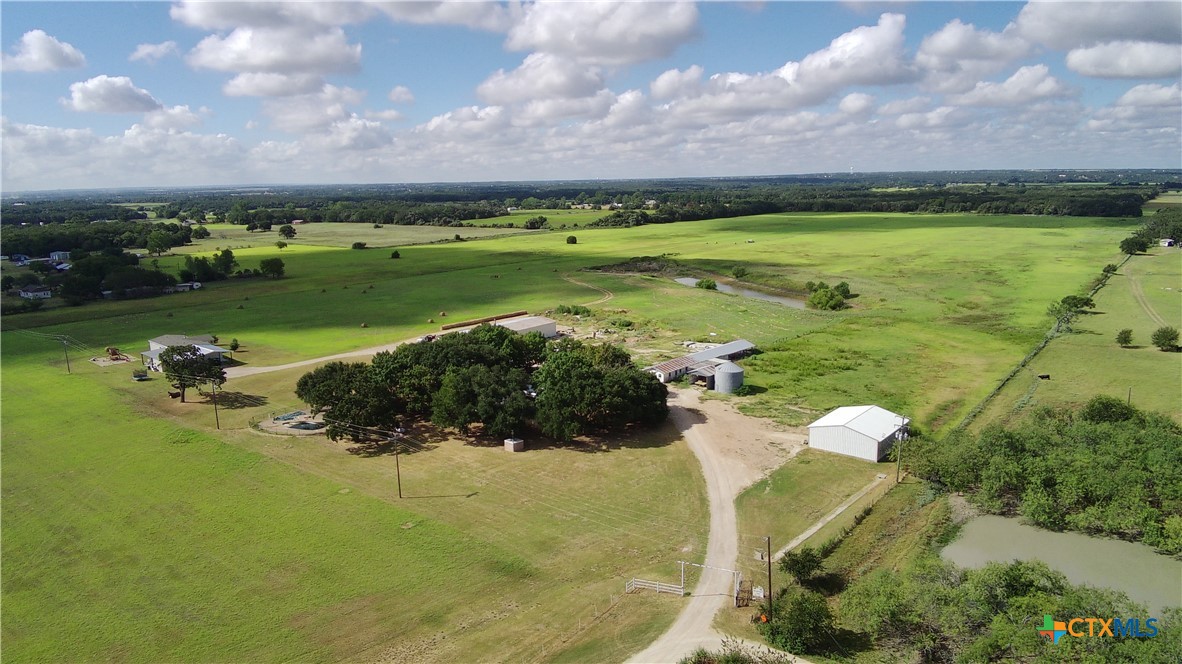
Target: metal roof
<point x="877" y="423"/>
<point x="669" y="366"/>
<point x="737" y="346"/>
<point x="183" y="340"/>
<point x="525" y="322"/>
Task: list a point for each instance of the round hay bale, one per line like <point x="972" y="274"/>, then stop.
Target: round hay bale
<point x="365" y="325"/>
<point x="241" y="307"/>
<point x="443" y="314"/>
<point x="430" y="320"/>
<point x="168" y="315"/>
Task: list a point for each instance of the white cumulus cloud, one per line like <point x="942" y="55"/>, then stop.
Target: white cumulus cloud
<point x="1127" y="59"/>
<point x="261" y="84"/>
<point x="676" y="83"/>
<point x="174" y="118"/>
<point x="401" y="94"/>
<point x="278" y="50"/>
<point x="541" y="76"/>
<point x="1027" y="85"/>
<point x="1068" y="25"/>
<point x="607" y="32"/>
<point x="1152" y="94"/>
<point x="38" y="51"/>
<point x="480" y="15"/>
<point x="959" y="55"/>
<point x="110" y="94"/>
<point x="227" y="15"/>
<point x="154" y="52"/>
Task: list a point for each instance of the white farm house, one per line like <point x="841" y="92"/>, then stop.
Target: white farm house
<point x="866" y="432"/>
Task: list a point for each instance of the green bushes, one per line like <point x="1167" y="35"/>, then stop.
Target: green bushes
<point x="358" y="245"/>
<point x="573" y="309"/>
<point x="708" y="284"/>
<point x="1071" y="469"/>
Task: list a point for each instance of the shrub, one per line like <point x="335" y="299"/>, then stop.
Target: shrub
<point x="1103" y="408"/>
<point x="573" y="309"/>
<point x="1110" y="268"/>
<point x="457" y="238"/>
<point x="826" y="299"/>
<point x="842" y="289"/>
<point x="708" y="284"/>
<point x="570" y="239"/>
<point x="1165" y="338"/>
<point x="739" y="272"/>
<point x="395" y="254"/>
<point x="358" y="245"/>
<point x="377" y="225"/>
<point x="1125" y="337"/>
<point x="234" y="345"/>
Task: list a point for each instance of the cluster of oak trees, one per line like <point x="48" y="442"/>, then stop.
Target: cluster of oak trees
<point x="493" y="377"/>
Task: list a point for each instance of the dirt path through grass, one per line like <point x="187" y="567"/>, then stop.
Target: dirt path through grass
<point x="711" y="427"/>
<point x="1139" y="295"/>
<point x="607" y="295"/>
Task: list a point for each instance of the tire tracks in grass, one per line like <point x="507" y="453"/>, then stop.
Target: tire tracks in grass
<point x="1139" y="296"/>
<point x="607" y="295"/>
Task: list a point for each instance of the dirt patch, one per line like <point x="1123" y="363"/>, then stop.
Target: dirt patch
<point x="753" y="447"/>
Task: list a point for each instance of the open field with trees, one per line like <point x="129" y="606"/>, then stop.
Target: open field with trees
<point x="941" y="301"/>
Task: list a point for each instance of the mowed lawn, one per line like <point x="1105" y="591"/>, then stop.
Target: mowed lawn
<point x="1088" y="361"/>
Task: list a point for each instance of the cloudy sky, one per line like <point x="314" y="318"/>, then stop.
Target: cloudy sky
<point x="111" y="94"/>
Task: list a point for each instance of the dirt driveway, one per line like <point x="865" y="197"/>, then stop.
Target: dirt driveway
<point x="735" y="451"/>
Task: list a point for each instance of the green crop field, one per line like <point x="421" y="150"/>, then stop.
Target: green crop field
<point x="134" y="530"/>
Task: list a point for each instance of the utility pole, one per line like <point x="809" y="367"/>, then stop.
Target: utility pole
<point x="1130" y="401"/>
<point x="770" y="604"/>
<point x="217" y="422"/>
<point x="397" y="468"/>
<point x="66" y="350"/>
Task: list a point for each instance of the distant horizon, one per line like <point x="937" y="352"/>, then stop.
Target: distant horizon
<point x="557" y="181"/>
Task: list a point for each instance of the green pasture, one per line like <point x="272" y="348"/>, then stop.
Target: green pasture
<point x="556" y="219"/>
<point x="1088" y="361"/>
<point x="195" y="544"/>
<point x="342" y="235"/>
<point x="134" y="531"/>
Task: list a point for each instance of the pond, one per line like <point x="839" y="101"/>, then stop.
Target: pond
<point x="746" y="292"/>
<point x="1146" y="577"/>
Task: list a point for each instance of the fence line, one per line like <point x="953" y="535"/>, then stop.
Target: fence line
<point x="1050" y="335"/>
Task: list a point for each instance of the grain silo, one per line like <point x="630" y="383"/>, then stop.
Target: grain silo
<point x="728" y="377"/>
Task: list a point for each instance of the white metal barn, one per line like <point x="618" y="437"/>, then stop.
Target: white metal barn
<point x="866" y="432"/>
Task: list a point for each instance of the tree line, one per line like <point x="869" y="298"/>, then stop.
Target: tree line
<point x="1165" y="223"/>
<point x="40" y="241"/>
<point x="492" y="377"/>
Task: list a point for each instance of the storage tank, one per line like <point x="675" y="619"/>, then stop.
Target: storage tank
<point x="515" y="444"/>
<point x="728" y="377"/>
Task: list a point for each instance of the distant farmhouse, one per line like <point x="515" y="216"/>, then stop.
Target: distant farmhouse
<point x="712" y="366"/>
<point x="35" y="293"/>
<point x="865" y="432"/>
<point x="203" y="343"/>
<point x="59" y="256"/>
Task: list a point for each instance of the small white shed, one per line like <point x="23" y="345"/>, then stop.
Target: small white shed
<point x="865" y="432"/>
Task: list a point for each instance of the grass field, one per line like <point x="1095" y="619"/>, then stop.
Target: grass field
<point x="192" y="542"/>
<point x="134" y="532"/>
<point x="343" y="235"/>
<point x="1088" y="360"/>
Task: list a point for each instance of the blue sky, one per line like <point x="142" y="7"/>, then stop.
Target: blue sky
<point x="106" y="94"/>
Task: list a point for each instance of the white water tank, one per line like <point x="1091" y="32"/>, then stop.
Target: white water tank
<point x="515" y="444"/>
